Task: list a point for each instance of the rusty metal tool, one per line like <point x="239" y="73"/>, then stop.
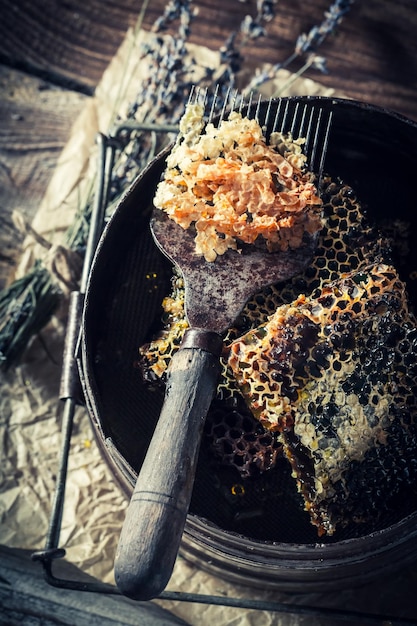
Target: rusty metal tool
<point x="215" y="293"/>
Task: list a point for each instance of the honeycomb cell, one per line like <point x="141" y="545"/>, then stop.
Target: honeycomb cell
<point x="237" y="439"/>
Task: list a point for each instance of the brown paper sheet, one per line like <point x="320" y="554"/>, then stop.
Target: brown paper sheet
<point x="31" y="413"/>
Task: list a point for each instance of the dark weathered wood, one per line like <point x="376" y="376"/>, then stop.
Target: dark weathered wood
<point x="35" y="122"/>
<point x="35" y="119"/>
<point x="27" y="600"/>
<point x="373" y="56"/>
<point x="156" y="515"/>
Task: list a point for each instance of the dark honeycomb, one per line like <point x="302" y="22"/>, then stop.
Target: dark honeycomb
<point x="336" y="375"/>
<point x="384" y="342"/>
<point x="239" y="440"/>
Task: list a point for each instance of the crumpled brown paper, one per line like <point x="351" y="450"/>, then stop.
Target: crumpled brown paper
<point x="31" y="413"/>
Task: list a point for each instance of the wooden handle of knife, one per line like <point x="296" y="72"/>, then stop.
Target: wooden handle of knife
<point x="157" y="512"/>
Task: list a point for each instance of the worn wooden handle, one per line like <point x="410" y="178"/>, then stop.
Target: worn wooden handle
<point x="156" y="515"/>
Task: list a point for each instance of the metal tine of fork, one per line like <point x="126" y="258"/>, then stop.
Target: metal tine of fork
<point x="191" y="94"/>
<point x="204" y="93"/>
<point x="233" y="100"/>
<point x="308" y="132"/>
<point x="225" y="103"/>
<point x="241" y="104"/>
<point x="258" y="107"/>
<point x="284" y="117"/>
<point x="249" y="105"/>
<point x="277" y="114"/>
<point x="315" y="140"/>
<point x="294" y="119"/>
<point x="268" y="112"/>
<point x="213" y="104"/>
<point x="297" y="126"/>
<point x="324" y="149"/>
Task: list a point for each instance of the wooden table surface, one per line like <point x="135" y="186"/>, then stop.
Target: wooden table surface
<point x="52" y="58"/>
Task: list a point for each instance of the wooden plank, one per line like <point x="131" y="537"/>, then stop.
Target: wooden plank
<point x="36" y="122"/>
<point x="372" y="57"/>
<point x="27" y="600"/>
<point x="75" y="42"/>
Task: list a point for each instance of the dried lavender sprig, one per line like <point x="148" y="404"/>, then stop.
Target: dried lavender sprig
<point x="313" y="61"/>
<point x="307" y="43"/>
<point x="251" y="27"/>
<point x="176" y="9"/>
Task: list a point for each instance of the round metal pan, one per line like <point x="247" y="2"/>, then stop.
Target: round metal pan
<point x="273" y="543"/>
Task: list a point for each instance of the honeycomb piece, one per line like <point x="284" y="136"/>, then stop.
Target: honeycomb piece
<point x="238" y="439"/>
<point x="336" y="374"/>
<point x="156" y="355"/>
<point x="234" y="187"/>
